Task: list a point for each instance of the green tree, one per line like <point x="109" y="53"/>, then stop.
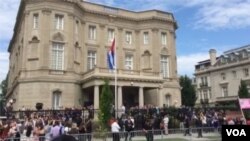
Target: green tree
<point x="3" y="86"/>
<point x="188" y="94"/>
<point x="243" y="91"/>
<point x="105" y="105"/>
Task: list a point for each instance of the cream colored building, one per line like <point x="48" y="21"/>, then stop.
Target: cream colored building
<point x="58" y="55"/>
<point x="218" y="79"/>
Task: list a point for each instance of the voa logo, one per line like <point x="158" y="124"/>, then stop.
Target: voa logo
<point x="236" y="132"/>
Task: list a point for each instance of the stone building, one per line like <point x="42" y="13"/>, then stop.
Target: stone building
<point x="218" y="78"/>
<point x="58" y="55"/>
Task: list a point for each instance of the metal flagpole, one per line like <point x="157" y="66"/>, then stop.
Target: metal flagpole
<point x="116" y="96"/>
<point x="242" y="110"/>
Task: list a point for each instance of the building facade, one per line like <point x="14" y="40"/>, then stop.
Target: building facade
<point x="58" y="55"/>
<point x="218" y="78"/>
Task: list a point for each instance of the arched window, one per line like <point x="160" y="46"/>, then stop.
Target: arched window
<point x="56" y="99"/>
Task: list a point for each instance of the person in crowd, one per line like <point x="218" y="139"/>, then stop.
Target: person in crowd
<point x="128" y="128"/>
<point x="166" y="121"/>
<point x="115" y="129"/>
<point x="148" y="129"/>
<point x="88" y="125"/>
<point x="40" y="131"/>
<point x="187" y="125"/>
<point x="82" y="132"/>
<point x="55" y="130"/>
<point x="47" y="129"/>
<point x="198" y="123"/>
<point x="230" y="121"/>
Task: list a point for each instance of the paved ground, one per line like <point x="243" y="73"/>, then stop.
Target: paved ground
<point x="194" y="137"/>
<point x="170" y="137"/>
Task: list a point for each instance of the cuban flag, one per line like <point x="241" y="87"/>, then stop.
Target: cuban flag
<point x="111" y="56"/>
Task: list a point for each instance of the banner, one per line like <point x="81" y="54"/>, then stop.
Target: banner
<point x="244" y="103"/>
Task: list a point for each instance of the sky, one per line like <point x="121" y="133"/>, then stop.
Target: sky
<point x="202" y="25"/>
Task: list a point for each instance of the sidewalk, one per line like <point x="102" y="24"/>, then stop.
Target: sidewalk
<point x="172" y="137"/>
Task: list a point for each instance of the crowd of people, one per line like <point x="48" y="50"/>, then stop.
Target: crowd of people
<point x="44" y="126"/>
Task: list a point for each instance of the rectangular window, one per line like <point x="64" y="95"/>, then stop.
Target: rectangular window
<point x="111" y="35"/>
<point x="59" y="23"/>
<point x="92" y="32"/>
<point x="164" y="38"/>
<point x="205" y="94"/>
<point x="244" y="54"/>
<point x="205" y="81"/>
<point x="56" y="100"/>
<point x="200" y="94"/>
<point x="224" y="91"/>
<point x="164" y="66"/>
<point x="145" y="38"/>
<point x="35" y="21"/>
<point x="91" y="60"/>
<point x="246" y="72"/>
<point x="57" y="58"/>
<point x="129" y="62"/>
<point x="129" y="37"/>
<point x="202" y="80"/>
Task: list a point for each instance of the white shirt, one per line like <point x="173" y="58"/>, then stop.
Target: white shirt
<point x="166" y="120"/>
<point x="115" y="127"/>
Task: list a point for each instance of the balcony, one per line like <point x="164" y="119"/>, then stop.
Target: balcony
<point x="204" y="101"/>
<point x="121" y="74"/>
<point x="226" y="98"/>
<point x="203" y="85"/>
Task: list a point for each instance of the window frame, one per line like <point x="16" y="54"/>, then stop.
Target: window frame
<point x="57" y="62"/>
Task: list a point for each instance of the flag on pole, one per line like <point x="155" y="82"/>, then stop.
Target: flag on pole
<point x="111" y="56"/>
<point x="244" y="103"/>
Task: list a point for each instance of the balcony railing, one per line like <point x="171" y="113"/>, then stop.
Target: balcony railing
<point x="203" y="84"/>
<point x="119" y="72"/>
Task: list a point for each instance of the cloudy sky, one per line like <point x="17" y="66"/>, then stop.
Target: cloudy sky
<point x="203" y="24"/>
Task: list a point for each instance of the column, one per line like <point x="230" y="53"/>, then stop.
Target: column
<point x="160" y="98"/>
<point x="96" y="101"/>
<point x="45" y="39"/>
<point x="141" y="97"/>
<point x="120" y="103"/>
<point x="96" y="97"/>
<point x="69" y="54"/>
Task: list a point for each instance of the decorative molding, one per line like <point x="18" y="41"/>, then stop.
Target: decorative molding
<point x="92" y="44"/>
<point x="155" y="29"/>
<point x="76" y="62"/>
<point x="102" y="25"/>
<point x="33" y="59"/>
<point x="46" y="11"/>
<point x="120" y="28"/>
<point x="71" y="15"/>
<point x="129" y="49"/>
<point x="83" y="22"/>
<point x="137" y="31"/>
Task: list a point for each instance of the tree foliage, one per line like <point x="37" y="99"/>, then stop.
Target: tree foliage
<point x="106" y="100"/>
<point x="188" y="94"/>
<point x="243" y="91"/>
<point x="3" y="86"/>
